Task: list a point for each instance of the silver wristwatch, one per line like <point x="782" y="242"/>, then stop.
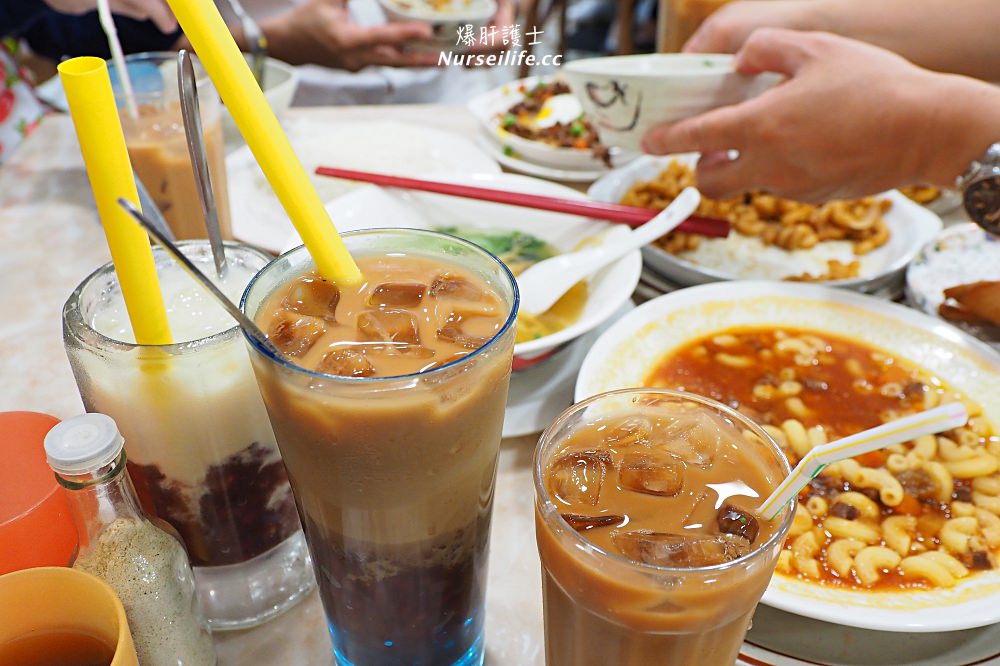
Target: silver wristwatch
<point x="980" y="188"/>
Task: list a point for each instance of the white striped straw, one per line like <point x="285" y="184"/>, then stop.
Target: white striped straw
<point x="117" y="56"/>
<point x="932" y="421"/>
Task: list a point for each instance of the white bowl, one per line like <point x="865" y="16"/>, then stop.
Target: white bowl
<point x="626" y="96"/>
<point x="445" y="23"/>
<point x="489" y="109"/>
<point x="961" y="254"/>
<point x="883" y="269"/>
<point x="628" y="351"/>
<point x="609" y="289"/>
<point x="280" y="82"/>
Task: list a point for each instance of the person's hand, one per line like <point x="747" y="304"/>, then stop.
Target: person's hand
<point x="156" y="11"/>
<point x="929" y="33"/>
<point x="727" y="29"/>
<point x="851" y="119"/>
<point x="321" y="32"/>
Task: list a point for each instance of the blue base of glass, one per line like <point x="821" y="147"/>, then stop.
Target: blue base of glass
<point x="472" y="657"/>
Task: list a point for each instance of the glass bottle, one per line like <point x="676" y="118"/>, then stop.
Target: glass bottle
<point x="146" y="565"/>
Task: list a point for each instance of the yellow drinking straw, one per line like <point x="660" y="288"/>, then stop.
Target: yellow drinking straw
<point x="221" y="57"/>
<point x="92" y="105"/>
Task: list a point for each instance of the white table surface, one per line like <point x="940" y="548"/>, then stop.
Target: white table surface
<point x="51" y="239"/>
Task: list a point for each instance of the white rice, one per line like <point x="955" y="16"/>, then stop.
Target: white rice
<point x="748" y="257"/>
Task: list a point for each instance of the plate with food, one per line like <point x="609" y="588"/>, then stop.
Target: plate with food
<point x="905" y="539"/>
<point x="862" y="245"/>
<point x="539" y="121"/>
<point x="936" y="199"/>
<point x="380" y="146"/>
<point x="957" y="277"/>
<point x="509" y="160"/>
<point x="520" y="237"/>
<point x="446" y="18"/>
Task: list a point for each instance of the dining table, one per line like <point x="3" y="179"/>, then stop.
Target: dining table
<point x="51" y="239"/>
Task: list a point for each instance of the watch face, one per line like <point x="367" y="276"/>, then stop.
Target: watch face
<point x="982" y="203"/>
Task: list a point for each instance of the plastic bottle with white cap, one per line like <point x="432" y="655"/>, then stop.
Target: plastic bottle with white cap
<point x="147" y="566"/>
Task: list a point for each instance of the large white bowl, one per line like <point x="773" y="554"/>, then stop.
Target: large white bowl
<point x="882" y="270"/>
<point x="626" y="96"/>
<point x="628" y="351"/>
<point x="609" y="289"/>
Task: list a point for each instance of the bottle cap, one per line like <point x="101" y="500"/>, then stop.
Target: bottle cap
<point x="83" y="444"/>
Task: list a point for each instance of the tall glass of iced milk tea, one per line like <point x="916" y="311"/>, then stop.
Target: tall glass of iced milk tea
<point x="157" y="146"/>
<point x="200" y="449"/>
<point x="651" y="553"/>
<point x="387" y="399"/>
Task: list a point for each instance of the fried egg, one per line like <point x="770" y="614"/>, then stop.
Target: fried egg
<point x="558" y="109"/>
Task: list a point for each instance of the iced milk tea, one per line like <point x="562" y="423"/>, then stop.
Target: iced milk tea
<point x="388" y="411"/>
<point x="651" y="552"/>
<point x="157" y="146"/>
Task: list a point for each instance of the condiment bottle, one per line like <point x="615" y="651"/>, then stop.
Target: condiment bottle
<point x="146" y="566"/>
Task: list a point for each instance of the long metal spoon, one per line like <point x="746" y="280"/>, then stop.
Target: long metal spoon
<point x="244" y="321"/>
<point x="154" y="212"/>
<point x="188" y="86"/>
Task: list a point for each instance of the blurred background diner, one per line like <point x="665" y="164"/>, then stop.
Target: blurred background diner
<point x="345" y="52"/>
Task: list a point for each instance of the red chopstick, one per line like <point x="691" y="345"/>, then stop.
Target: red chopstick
<point x="630" y="215"/>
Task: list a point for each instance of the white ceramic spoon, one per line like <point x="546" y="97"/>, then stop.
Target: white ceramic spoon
<point x="544" y="283"/>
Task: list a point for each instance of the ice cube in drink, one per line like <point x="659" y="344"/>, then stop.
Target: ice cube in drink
<point x="664" y="485"/>
<point x="389" y="423"/>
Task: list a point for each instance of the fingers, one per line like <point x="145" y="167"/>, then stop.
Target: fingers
<point x="727" y="29"/>
<point x="775" y="50"/>
<point x="161" y="16"/>
<point x="391" y="56"/>
<point x="393" y="34"/>
<point x="714" y="131"/>
<point x="156" y="11"/>
<point x="720" y="177"/>
<point x="709" y="38"/>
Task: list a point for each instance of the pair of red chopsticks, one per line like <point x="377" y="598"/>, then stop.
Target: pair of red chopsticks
<point x="630" y="215"/>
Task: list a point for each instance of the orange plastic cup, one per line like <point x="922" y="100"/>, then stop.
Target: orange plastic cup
<point x="36" y="526"/>
<point x="53" y="615"/>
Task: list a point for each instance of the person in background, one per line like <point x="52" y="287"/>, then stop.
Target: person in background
<point x="56" y="29"/>
<point x="18" y="14"/>
<point x="332" y="38"/>
<point x="851" y="118"/>
<point x="351" y="55"/>
<point x="20" y="110"/>
<point x="323" y="32"/>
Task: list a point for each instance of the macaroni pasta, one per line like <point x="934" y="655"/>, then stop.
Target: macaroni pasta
<point x="922" y="514"/>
